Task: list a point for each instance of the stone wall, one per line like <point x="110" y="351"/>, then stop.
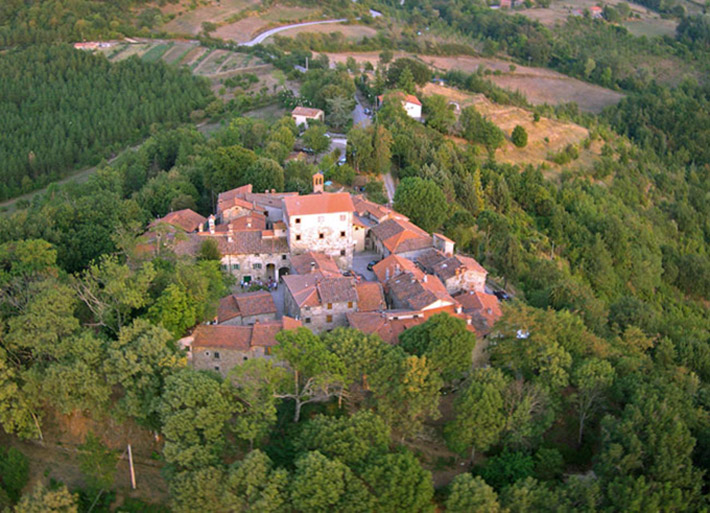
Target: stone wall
<point x="251" y="319"/>
<point x="204" y="358"/>
<point x="466" y="281"/>
<point x="316" y="318"/>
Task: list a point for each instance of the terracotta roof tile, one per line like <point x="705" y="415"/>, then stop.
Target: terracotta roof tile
<point x="313" y="204"/>
<point x="400" y="236"/>
<point x="337" y="290"/>
<point x="322" y="263"/>
<point x="394" y="265"/>
<point x="370" y="297"/>
<point x="243" y="243"/>
<point x="187" y="219"/>
<point x="306" y="111"/>
<point x="419" y="294"/>
<point x="246" y="305"/>
<point x="314" y="289"/>
<point x="241" y="338"/>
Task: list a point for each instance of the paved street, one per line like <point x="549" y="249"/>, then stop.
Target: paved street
<point x="360" y="119"/>
<point x="360" y="261"/>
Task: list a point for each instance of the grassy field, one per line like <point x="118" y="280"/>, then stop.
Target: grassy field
<point x="651" y="28"/>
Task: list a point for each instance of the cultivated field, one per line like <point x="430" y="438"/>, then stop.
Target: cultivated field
<point x="350" y="32"/>
<point x="539" y="85"/>
<point x="545" y="136"/>
<point x="189" y="20"/>
<point x="560" y="10"/>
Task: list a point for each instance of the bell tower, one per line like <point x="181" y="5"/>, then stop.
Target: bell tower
<point x="317" y="183"/>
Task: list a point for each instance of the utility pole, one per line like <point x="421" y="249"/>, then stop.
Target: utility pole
<point x="130" y="464"/>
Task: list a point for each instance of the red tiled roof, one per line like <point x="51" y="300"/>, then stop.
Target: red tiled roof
<point x="306" y="111"/>
<point x="323" y="264"/>
<point x="394" y="265"/>
<point x="370" y="297"/>
<point x="314" y="289"/>
<point x="387" y="325"/>
<point x="434" y="261"/>
<point x="241" y="338"/>
<point x="313" y="204"/>
<point x="187" y="219"/>
<point x="400" y="235"/>
<point x="243" y="243"/>
<point x="245" y="305"/>
<point x="419" y="294"/>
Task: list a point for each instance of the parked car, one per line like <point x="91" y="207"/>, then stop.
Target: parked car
<point x="502" y="295"/>
<point x="372" y="264"/>
<point x="342" y="160"/>
<point x="368" y="112"/>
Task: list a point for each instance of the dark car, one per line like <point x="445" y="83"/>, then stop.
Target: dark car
<point x="502" y="295"/>
<point x="367" y="112"/>
<point x="371" y="265"/>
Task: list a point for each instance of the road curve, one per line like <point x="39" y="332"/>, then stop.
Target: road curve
<point x="265" y="35"/>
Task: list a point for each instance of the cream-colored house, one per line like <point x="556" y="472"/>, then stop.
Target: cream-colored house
<point x="305" y="115"/>
<point x="322" y="223"/>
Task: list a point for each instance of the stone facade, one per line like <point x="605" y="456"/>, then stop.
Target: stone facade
<point x="223" y="360"/>
<point x="261" y="266"/>
<point x="466" y="280"/>
<point x="319" y="318"/>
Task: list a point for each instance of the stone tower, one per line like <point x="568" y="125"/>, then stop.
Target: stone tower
<point x="317" y="182"/>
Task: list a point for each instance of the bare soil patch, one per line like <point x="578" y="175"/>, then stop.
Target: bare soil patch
<point x="189" y="21"/>
<point x="56" y="456"/>
<point x="178" y="50"/>
<point x="544" y="136"/>
<point x="559" y="11"/>
<point x="242" y="30"/>
<point x="350" y="32"/>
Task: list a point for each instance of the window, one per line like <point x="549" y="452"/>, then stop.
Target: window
<point x="235" y="267"/>
<point x="342" y="252"/>
<point x="321" y="236"/>
<point x="256" y="266"/>
<point x="245" y="358"/>
<point x="342" y="217"/>
<point x="298" y="220"/>
<point x="330" y="306"/>
<point x="342" y="234"/>
<point x="267" y="350"/>
<point x="225" y="267"/>
<point x="350" y="304"/>
<point x="283" y="257"/>
<point x="216" y="367"/>
<point x="216" y="355"/>
<point x="308" y="320"/>
<point x="328" y="318"/>
<point x="298" y="237"/>
<point x="266" y="213"/>
<point x="207" y="353"/>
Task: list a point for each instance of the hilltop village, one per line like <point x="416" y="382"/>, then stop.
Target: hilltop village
<point x="321" y="261"/>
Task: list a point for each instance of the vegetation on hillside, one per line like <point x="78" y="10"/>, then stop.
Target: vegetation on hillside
<point x="64" y="108"/>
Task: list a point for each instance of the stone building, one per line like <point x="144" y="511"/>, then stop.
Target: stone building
<point x="322" y="223"/>
<point x="457" y="272"/>
<point x="398" y="236"/>
<point x="304" y="115"/>
<point x="221" y="348"/>
<point x="426" y="294"/>
<point x="321" y="303"/>
<point x="245" y="309"/>
<point x="242" y="200"/>
<point x="311" y="262"/>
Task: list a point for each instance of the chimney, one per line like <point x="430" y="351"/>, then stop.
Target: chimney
<point x="200" y="227"/>
<point x="313" y="267"/>
<point x="273" y="191"/>
<point x="387" y="274"/>
<point x="210" y="221"/>
<point x="396" y="268"/>
<point x="424" y="279"/>
<point x="230" y="233"/>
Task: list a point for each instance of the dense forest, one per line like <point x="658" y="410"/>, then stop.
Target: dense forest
<point x="25" y="22"/>
<point x="64" y="108"/>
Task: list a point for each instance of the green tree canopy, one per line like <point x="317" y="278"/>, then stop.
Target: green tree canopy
<point x="422" y="201"/>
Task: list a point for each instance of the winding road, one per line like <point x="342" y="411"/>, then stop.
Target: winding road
<point x="265" y="35"/>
